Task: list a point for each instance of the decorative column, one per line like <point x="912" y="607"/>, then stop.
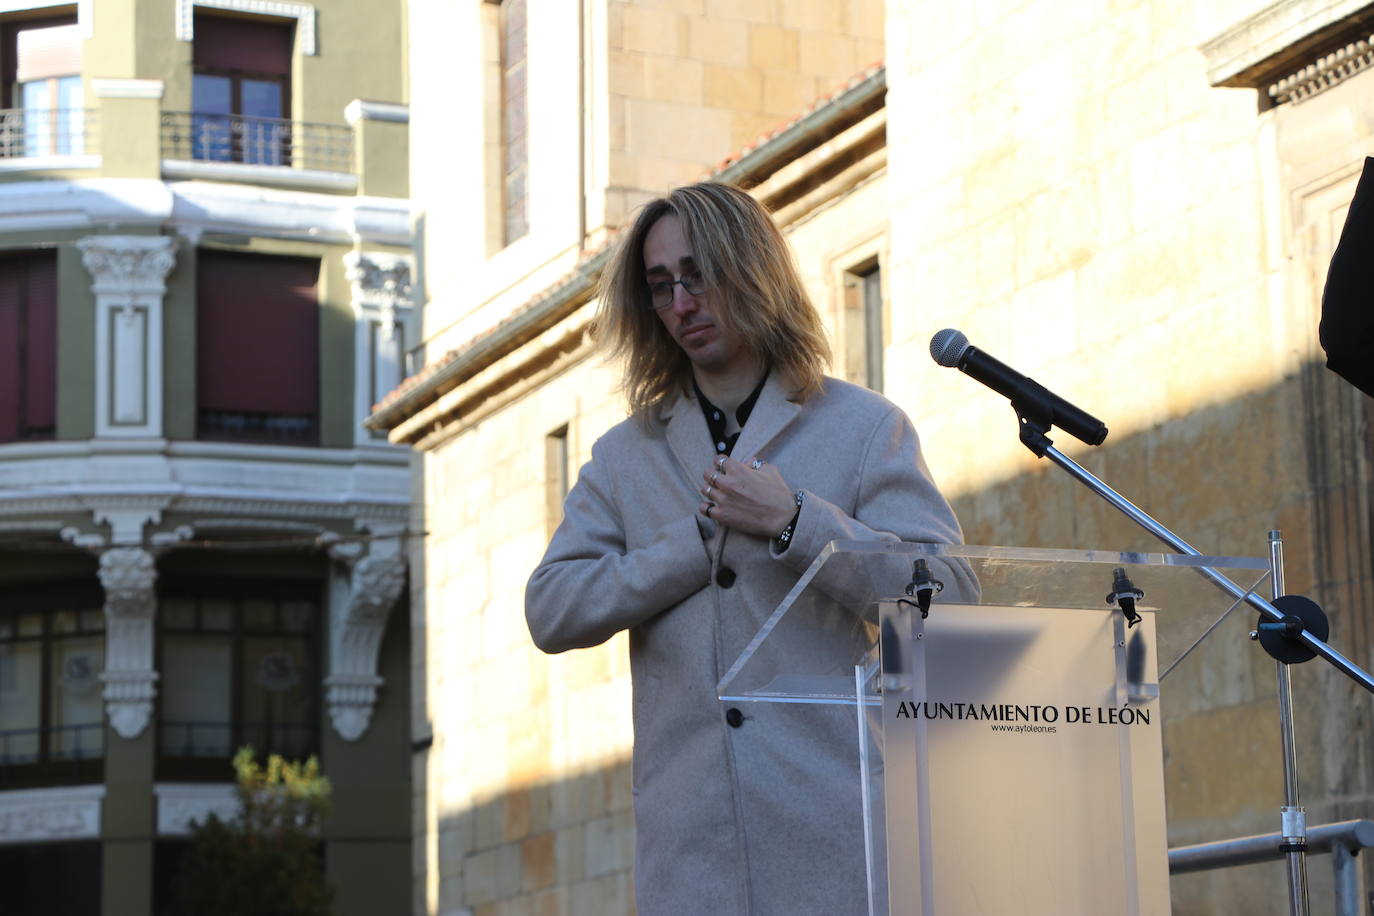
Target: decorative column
<point x="129" y="273"/>
<point x="355" y="634"/>
<point x="382" y="303"/>
<point x="128" y="575"/>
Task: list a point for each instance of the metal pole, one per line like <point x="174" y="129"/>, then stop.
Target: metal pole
<point x="1247" y="850"/>
<point x="1294" y="816"/>
<point x="1343" y="664"/>
<point x="1348" y="880"/>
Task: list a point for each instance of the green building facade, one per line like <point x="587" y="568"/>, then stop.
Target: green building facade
<point x="205" y="283"/>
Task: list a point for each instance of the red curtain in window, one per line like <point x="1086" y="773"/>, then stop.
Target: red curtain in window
<point x="243" y="45"/>
<point x="28" y="346"/>
<point x="257" y="334"/>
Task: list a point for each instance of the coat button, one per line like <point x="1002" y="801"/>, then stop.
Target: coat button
<point x="733" y="717"/>
<point x="725" y="577"/>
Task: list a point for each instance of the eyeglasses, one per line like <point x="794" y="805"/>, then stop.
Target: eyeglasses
<point x="661" y="291"/>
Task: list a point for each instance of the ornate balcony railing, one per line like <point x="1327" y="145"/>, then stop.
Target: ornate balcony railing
<point x="202" y="137"/>
<point x="31" y="133"/>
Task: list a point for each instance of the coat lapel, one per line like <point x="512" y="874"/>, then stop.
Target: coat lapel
<point x="771" y="415"/>
<point x="688" y="437"/>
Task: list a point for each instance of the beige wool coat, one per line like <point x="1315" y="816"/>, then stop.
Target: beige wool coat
<point x="756" y="811"/>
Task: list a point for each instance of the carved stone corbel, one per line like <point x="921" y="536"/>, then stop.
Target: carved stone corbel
<point x="128" y="575"/>
<point x="356" y="629"/>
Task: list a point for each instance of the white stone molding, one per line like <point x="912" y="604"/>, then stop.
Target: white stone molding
<point x="126" y="514"/>
<point x="1269" y="32"/>
<point x="87" y="540"/>
<point x="384" y="306"/>
<point x="35" y="815"/>
<point x="311" y="179"/>
<point x="128" y="575"/>
<point x="303" y="13"/>
<point x="361" y="110"/>
<point x="127" y="89"/>
<point x="198" y="206"/>
<point x="1330" y="70"/>
<point x="129" y="273"/>
<point x="355" y="635"/>
<point x="164" y="540"/>
<point x="180" y="803"/>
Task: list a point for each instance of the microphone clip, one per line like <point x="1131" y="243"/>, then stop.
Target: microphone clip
<point x="922" y="587"/>
<point x="1033" y="429"/>
<point x="1124" y="595"/>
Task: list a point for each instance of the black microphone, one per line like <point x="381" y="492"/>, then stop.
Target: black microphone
<point x="951" y="349"/>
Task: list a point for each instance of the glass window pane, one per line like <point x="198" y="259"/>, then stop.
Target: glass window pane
<point x="37" y="95"/>
<point x="69" y="92"/>
<point x="211" y="94"/>
<point x="276" y="693"/>
<point x="31" y="625"/>
<point x="6" y="627"/>
<point x="210" y="136"/>
<point x="261" y="98"/>
<point x="21" y="674"/>
<point x="217" y="616"/>
<point x="296" y="616"/>
<point x="65" y="621"/>
<point x="177" y="614"/>
<point x="195" y="693"/>
<point x="71" y="126"/>
<point x="259" y="615"/>
<point x="93" y="621"/>
<point x="38" y="118"/>
<point x="76" y="708"/>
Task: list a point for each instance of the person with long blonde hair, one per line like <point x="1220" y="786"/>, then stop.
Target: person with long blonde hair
<point x="740" y="461"/>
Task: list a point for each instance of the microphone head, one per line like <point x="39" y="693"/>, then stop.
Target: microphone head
<point x="947" y="347"/>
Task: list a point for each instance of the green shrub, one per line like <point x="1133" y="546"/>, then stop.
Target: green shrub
<point x="265" y="861"/>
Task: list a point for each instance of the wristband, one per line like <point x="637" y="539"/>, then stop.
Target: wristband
<point x="785" y="536"/>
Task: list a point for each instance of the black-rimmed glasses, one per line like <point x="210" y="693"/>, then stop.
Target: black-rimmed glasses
<point x="661" y="291"/>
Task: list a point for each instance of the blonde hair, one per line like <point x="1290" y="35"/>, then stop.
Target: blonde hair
<point x="751" y="279"/>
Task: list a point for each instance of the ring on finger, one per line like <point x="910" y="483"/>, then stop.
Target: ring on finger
<point x="708" y="492"/>
<point x="720" y="463"/>
<point x="715" y="475"/>
<point x="756" y="463"/>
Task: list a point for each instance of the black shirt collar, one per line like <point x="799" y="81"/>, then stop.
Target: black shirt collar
<point x="715" y="417"/>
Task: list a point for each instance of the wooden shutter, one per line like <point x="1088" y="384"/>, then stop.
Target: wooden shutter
<point x="28" y="346"/>
<point x="242" y="45"/>
<point x="257" y="334"/>
<point x="46" y="52"/>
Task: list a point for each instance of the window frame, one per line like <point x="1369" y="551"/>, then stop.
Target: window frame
<point x="48" y="600"/>
<point x="236" y="77"/>
<point x="191" y="768"/>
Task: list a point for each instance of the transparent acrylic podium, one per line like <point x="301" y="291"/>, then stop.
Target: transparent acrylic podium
<point x="1006" y="747"/>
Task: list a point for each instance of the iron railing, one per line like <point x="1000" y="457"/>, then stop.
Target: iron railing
<point x="1343" y="840"/>
<point x="32" y="133"/>
<point x="221" y="739"/>
<point x="201" y="137"/>
<point x="245" y="426"/>
<point x="22" y="746"/>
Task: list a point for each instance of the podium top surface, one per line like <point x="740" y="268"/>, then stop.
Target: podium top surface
<point x="807" y="648"/>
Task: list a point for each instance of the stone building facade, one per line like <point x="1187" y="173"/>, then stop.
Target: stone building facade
<point x="1134" y="204"/>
